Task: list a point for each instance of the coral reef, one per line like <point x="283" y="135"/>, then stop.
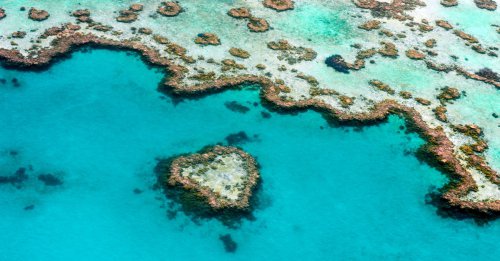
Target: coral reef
<point x="488" y="74"/>
<point x="169" y="9"/>
<point x="388" y="49"/>
<point x="439" y="149"/>
<point x="279" y="5"/>
<point x="130" y="15"/>
<point x="448" y="94"/>
<point x="382" y="86"/>
<point x="18" y="34"/>
<point x="449" y="3"/>
<point x="136" y="7"/>
<point x="223" y="176"/>
<point x="127" y="16"/>
<point x="444" y="24"/>
<point x="207" y="39"/>
<point x="241" y="12"/>
<point x="257" y="25"/>
<point x="486" y="4"/>
<point x="82" y="15"/>
<point x="38" y="15"/>
<point x="415" y="55"/>
<point x="395" y="9"/>
<point x="292" y="54"/>
<point x="338" y="63"/>
<point x="238" y="52"/>
<point x="370" y="25"/>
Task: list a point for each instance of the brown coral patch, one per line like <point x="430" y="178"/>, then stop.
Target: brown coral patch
<point x="279" y="5"/>
<point x="396" y="9"/>
<point x="81" y="12"/>
<point x="281" y="45"/>
<point x="346" y="101"/>
<point x="257" y="25"/>
<point x="239" y="13"/>
<point x="479" y="163"/>
<point x="440" y="113"/>
<point x="431" y="43"/>
<point x="145" y="31"/>
<point x="382" y="86"/>
<point x="229" y="64"/>
<point x="414" y="54"/>
<point x="425" y="28"/>
<point x="486" y="4"/>
<point x="82" y="15"/>
<point x="19" y="34"/>
<point x="449" y="94"/>
<point x="423" y="101"/>
<point x="38" y="14"/>
<point x="478" y="77"/>
<point x="405" y="94"/>
<point x="365" y="54"/>
<point x="2" y="13"/>
<point x="444" y="24"/>
<point x="292" y="54"/>
<point x="467" y="37"/>
<point x="136" y="7"/>
<point x="207" y="39"/>
<point x="175" y="49"/>
<point x="388" y="49"/>
<point x="169" y="9"/>
<point x="449" y="3"/>
<point x="127" y="16"/>
<point x="102" y="27"/>
<point x="238" y="52"/>
<point x="370" y="25"/>
<point x="478" y="48"/>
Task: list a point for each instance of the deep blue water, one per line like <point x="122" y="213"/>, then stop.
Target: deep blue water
<point x="97" y="121"/>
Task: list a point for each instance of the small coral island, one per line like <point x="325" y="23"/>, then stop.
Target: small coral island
<point x="217" y="180"/>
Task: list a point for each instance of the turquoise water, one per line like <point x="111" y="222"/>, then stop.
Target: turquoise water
<point x="97" y="121"/>
<point x="318" y="23"/>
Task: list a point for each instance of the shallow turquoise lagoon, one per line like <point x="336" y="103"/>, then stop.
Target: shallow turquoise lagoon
<point x="97" y="121"/>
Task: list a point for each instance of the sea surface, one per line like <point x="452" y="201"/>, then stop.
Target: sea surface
<point x="98" y="123"/>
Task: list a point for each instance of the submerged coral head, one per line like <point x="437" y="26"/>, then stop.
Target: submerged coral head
<point x="338" y="63"/>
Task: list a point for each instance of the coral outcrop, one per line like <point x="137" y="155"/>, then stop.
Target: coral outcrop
<point x="439" y="149"/>
<point x="82" y="15"/>
<point x="238" y="13"/>
<point x="2" y="13"/>
<point x="449" y="3"/>
<point x="127" y="16"/>
<point x="257" y="25"/>
<point x="169" y="9"/>
<point x="370" y="25"/>
<point x="38" y="14"/>
<point x="207" y="39"/>
<point x="486" y="4"/>
<point x="223" y="176"/>
<point x="238" y="52"/>
<point x="415" y="55"/>
<point x="279" y="5"/>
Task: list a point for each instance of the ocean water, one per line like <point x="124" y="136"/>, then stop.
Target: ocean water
<point x="315" y="22"/>
<point x="97" y="122"/>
